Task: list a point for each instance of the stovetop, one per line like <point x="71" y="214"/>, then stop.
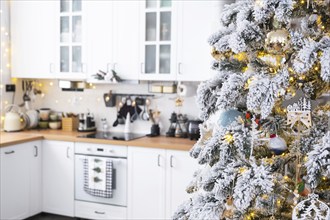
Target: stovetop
<point x="113" y="136"/>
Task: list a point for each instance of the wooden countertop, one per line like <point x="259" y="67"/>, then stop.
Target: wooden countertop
<point x="163" y="142"/>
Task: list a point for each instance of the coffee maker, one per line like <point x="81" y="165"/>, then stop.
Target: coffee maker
<point x="86" y="122"/>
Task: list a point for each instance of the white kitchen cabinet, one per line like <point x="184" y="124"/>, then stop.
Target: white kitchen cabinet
<point x="33" y="31"/>
<point x="113" y="37"/>
<point x="197" y="21"/>
<point x="71" y="39"/>
<point x="179" y="173"/>
<point x="58" y="177"/>
<point x="35" y="177"/>
<point x="20" y="180"/>
<point x="157" y="181"/>
<point x="146" y="183"/>
<point x="158" y="39"/>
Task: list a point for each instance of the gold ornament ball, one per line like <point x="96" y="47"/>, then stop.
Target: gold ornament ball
<point x="277" y="42"/>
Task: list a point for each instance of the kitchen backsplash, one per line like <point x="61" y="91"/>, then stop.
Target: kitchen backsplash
<point x="92" y="100"/>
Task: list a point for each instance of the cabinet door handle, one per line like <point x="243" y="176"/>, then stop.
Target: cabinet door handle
<point x="179" y="68"/>
<point x="36" y="152"/>
<point x="171" y="161"/>
<point x="100" y="213"/>
<point x="142" y="68"/>
<point x="10" y="152"/>
<point x="158" y="160"/>
<point x="51" y="67"/>
<point x="67" y="152"/>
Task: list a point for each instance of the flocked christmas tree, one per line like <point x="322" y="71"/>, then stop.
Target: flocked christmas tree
<point x="265" y="144"/>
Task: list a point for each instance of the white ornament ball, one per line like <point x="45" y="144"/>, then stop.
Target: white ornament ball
<point x="277" y="144"/>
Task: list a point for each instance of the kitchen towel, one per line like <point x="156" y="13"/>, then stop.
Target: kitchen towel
<point x="98" y="176"/>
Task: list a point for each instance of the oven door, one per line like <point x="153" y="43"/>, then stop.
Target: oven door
<point x="119" y="197"/>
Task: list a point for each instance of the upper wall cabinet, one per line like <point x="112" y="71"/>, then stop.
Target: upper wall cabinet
<point x="197" y="21"/>
<point x="32" y="38"/>
<point x="113" y="37"/>
<point x="158" y="39"/>
<point x="71" y="39"/>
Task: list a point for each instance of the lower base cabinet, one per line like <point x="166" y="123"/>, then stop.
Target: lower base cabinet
<point x="58" y="177"/>
<point x="20" y="180"/>
<point x="157" y="179"/>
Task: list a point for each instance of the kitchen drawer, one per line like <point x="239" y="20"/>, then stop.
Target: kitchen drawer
<point x="99" y="211"/>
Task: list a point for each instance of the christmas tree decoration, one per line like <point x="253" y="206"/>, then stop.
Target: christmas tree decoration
<point x="277" y="144"/>
<point x="311" y="208"/>
<point x="264" y="150"/>
<point x="229" y="116"/>
<point x="299" y="109"/>
<point x="278" y="41"/>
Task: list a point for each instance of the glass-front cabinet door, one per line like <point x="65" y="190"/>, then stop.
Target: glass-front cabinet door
<point x="158" y="35"/>
<point x="71" y="39"/>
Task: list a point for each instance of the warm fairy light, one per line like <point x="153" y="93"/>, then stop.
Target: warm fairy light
<point x="291" y="79"/>
<point x="323" y="27"/>
<point x="107" y="98"/>
<point x="80" y="98"/>
<point x="6" y="102"/>
<point x="14" y="80"/>
<point x="286" y="178"/>
<point x="21" y="119"/>
<point x="229" y="138"/>
<point x="302" y="2"/>
<point x="40" y="84"/>
<point x="8" y="65"/>
<point x="56" y="101"/>
<point x="42" y="95"/>
<point x="98" y="99"/>
<point x="2" y="118"/>
<point x="290" y="69"/>
<point x="265" y="196"/>
<point x="305" y="158"/>
<point x="324" y="178"/>
<point x="316" y="68"/>
<point x="283" y="154"/>
<point x="252" y="214"/>
<point x="1" y="86"/>
<point x="6" y="50"/>
<point x="51" y="83"/>
<point x="242" y="170"/>
<point x="278" y="202"/>
<point x="293" y="94"/>
<point x="94" y="87"/>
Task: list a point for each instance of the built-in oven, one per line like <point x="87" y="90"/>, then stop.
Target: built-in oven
<point x="112" y="199"/>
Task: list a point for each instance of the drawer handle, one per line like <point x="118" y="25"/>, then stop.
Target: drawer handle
<point x="67" y="152"/>
<point x="100" y="213"/>
<point x="10" y="152"/>
<point x="171" y="161"/>
<point x="36" y="152"/>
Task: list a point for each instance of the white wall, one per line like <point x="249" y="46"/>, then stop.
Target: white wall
<point x="6" y="98"/>
<point x="92" y="100"/>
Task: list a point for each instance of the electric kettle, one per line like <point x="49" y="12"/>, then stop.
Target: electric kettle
<point x="14" y="120"/>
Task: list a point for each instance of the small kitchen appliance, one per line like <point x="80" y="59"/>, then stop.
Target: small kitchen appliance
<point x="86" y="122"/>
<point x="193" y="129"/>
<point x="14" y="120"/>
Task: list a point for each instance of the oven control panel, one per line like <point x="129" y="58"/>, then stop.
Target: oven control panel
<point x="101" y="149"/>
